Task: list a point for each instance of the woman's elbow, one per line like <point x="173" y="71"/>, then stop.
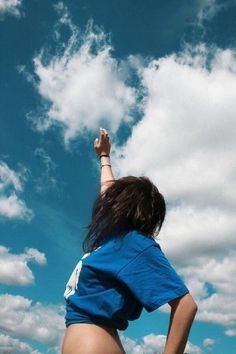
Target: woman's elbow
<point x="194" y="308"/>
<point x="186" y="302"/>
<point x="192" y="305"/>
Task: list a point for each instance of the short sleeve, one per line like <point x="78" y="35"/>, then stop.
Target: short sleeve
<point x="152" y="279"/>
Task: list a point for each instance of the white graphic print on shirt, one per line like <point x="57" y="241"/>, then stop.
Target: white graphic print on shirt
<point x="73" y="280"/>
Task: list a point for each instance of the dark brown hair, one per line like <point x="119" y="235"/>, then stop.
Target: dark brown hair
<point x="130" y="203"/>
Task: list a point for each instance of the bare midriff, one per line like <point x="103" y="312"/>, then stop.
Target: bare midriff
<point x="84" y="338"/>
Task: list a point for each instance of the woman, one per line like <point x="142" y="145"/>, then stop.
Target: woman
<point x="123" y="269"/>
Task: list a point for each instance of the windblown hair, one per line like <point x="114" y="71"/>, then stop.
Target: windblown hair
<point x="130" y="203"/>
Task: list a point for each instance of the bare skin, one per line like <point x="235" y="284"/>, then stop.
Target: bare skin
<point x="84" y="338"/>
<point x="103" y="147"/>
<point x="183" y="311"/>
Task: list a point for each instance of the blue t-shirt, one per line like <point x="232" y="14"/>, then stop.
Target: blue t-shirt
<point x="112" y="284"/>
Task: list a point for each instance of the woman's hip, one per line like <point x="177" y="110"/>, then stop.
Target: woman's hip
<point x="84" y="338"/>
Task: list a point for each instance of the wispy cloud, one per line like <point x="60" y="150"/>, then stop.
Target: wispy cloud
<point x="9" y="263"/>
<point x="11" y="7"/>
<point x="11" y="184"/>
<point x="46" y="181"/>
<point x="208" y="9"/>
<point x="84" y="86"/>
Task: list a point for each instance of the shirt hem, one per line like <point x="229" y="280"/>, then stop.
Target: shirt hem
<point x="169" y="297"/>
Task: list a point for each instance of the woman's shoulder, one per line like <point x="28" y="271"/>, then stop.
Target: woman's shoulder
<point x="118" y="251"/>
<point x="139" y="239"/>
<point x="131" y="244"/>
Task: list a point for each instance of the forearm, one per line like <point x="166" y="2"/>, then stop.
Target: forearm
<point x="107" y="177"/>
<point x="182" y="316"/>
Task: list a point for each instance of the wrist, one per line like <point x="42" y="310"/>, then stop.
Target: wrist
<point x="104" y="159"/>
<point x="103" y="154"/>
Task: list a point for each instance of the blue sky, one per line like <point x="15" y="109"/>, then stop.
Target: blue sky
<point x="160" y="76"/>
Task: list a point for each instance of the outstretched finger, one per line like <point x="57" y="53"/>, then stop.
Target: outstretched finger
<point x="95" y="143"/>
<point x="102" y="133"/>
<point x="106" y="133"/>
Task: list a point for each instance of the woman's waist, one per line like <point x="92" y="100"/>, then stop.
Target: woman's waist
<point x="91" y="338"/>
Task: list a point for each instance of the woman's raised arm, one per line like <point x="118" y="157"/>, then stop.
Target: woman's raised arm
<point x="103" y="147"/>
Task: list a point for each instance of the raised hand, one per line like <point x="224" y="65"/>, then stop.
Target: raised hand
<point x="102" y="145"/>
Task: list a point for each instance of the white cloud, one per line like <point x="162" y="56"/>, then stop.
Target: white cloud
<point x="199" y="227"/>
<point x="230" y="332"/>
<point x="9" y="177"/>
<point x="34" y="254"/>
<point x="14" y="268"/>
<point x="84" y="86"/>
<point x="12" y="345"/>
<point x="11" y="183"/>
<point x="12" y="207"/>
<point x="208" y="342"/>
<point x="185" y="143"/>
<point x="10" y="6"/>
<point x="152" y="344"/>
<point x="44" y="324"/>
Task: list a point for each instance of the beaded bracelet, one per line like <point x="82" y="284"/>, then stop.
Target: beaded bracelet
<point x="107" y="164"/>
<point x="104" y="155"/>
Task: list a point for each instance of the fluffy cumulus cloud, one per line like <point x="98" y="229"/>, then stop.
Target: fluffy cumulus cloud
<point x="12" y="345"/>
<point x="152" y="344"/>
<point x="11" y="185"/>
<point x="185" y="142"/>
<point x="44" y="324"/>
<point x="83" y="86"/>
<point x="10" y="6"/>
<point x="14" y="269"/>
